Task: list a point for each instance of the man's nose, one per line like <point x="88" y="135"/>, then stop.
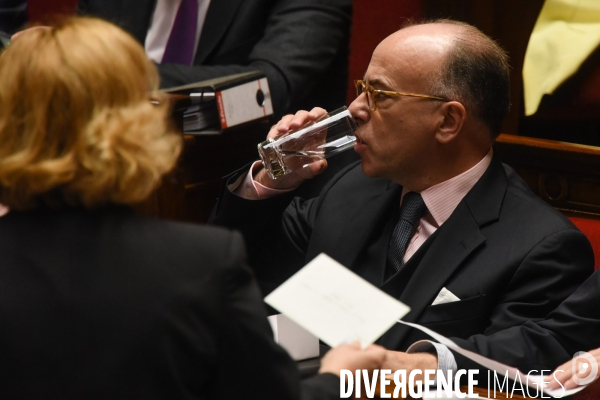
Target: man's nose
<point x="360" y="110"/>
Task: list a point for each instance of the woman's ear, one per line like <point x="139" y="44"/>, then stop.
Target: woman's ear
<point x="454" y="116"/>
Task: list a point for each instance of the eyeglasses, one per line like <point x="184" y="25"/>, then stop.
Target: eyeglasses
<point x="374" y="94"/>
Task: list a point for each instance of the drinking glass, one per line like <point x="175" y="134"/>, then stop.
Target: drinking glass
<point x="290" y="151"/>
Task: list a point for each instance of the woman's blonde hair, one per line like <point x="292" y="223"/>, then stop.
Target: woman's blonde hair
<point x="77" y="126"/>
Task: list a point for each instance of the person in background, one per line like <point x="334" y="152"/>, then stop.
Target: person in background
<point x="95" y="300"/>
<point x="573" y="327"/>
<point x="301" y="46"/>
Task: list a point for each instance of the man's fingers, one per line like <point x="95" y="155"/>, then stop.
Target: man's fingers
<point x="317" y="113"/>
<point x="565" y="373"/>
<point x="280" y="127"/>
<point x="562" y="374"/>
<point x="570" y="384"/>
<point x="293" y="122"/>
<point x="300" y="119"/>
<point x="311" y="170"/>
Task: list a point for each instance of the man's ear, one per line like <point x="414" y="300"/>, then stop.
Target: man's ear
<point x="454" y="116"/>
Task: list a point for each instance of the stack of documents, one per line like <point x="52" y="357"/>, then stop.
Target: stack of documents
<point x="201" y="116"/>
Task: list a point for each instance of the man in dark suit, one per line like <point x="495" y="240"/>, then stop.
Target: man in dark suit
<point x="429" y="215"/>
<point x="300" y="45"/>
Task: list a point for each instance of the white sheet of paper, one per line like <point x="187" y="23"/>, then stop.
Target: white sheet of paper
<point x="335" y="304"/>
<point x="500" y="368"/>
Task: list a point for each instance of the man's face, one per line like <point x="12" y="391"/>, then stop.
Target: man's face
<point x="396" y="140"/>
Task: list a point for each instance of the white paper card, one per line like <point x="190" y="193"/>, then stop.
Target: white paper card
<point x="335" y="304"/>
<point x="297" y="341"/>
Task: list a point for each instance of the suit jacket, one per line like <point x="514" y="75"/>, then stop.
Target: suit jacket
<point x="13" y="15"/>
<point x="301" y="45"/>
<point x="507" y="255"/>
<point x="535" y="346"/>
<point x="108" y="304"/>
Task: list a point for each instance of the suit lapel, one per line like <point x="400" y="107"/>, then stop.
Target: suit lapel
<point x="453" y="242"/>
<point x="218" y="18"/>
<point x="364" y="230"/>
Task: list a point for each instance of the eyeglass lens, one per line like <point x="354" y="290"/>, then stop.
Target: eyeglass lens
<point x="361" y="87"/>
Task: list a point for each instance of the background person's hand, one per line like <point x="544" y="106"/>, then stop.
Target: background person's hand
<point x="567" y="374"/>
<point x="293" y="123"/>
<point x="352" y="357"/>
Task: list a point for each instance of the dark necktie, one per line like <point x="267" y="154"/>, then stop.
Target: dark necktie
<point x="413" y="208"/>
<point x="182" y="40"/>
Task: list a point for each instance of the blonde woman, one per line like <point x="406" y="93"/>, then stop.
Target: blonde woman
<point x="96" y="301"/>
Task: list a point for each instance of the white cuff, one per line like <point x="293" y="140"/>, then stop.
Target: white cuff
<point x="446" y="361"/>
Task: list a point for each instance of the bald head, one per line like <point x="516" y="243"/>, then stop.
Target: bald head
<point x="458" y="62"/>
<point x="417" y="51"/>
<point x="429" y="40"/>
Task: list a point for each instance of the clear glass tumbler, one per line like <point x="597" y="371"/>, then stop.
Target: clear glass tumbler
<point x="330" y="135"/>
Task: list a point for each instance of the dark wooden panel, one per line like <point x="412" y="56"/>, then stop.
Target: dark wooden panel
<point x="566" y="175"/>
<point x="189" y="193"/>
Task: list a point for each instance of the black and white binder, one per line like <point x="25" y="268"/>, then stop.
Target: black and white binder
<point x="213" y="106"/>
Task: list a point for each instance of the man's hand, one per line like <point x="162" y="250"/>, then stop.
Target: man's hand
<point x="396" y="360"/>
<point x="351" y="357"/>
<point x="582" y="368"/>
<point x="286" y="124"/>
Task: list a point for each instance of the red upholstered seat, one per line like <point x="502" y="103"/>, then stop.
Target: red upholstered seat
<point x="592" y="392"/>
<point x="591" y="229"/>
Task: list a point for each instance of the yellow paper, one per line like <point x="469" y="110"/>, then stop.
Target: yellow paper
<point x="565" y="34"/>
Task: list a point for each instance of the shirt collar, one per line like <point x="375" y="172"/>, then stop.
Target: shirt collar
<point x="443" y="198"/>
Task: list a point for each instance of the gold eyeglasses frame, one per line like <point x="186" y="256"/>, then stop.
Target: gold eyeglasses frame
<point x="363" y="87"/>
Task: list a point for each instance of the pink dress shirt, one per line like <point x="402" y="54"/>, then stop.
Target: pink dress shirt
<point x="441" y="200"/>
<point x="253" y="190"/>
